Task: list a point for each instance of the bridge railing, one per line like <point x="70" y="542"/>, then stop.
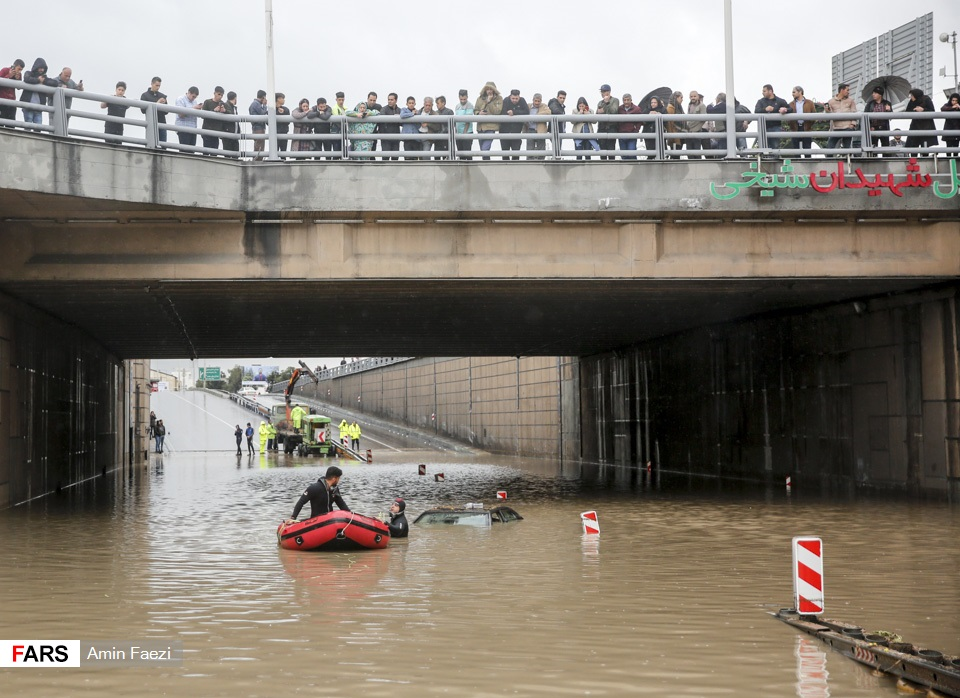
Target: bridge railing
<point x="349" y="368"/>
<point x="76" y="114"/>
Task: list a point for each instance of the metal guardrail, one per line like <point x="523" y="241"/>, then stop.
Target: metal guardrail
<point x="447" y="144"/>
<point x="346" y="369"/>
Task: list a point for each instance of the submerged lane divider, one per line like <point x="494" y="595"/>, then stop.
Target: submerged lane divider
<point x="591" y="524"/>
<point x="808" y="575"/>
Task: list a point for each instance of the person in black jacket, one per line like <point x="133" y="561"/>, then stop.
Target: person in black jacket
<point x="772" y="105"/>
<point x="513" y="106"/>
<point x="231" y="145"/>
<point x="920" y="102"/>
<point x="558" y="108"/>
<point x="153" y="94"/>
<point x="399" y="528"/>
<point x="35" y="76"/>
<point x="322" y="495"/>
<point x="389" y="129"/>
<point x="952" y="125"/>
<point x="217" y="105"/>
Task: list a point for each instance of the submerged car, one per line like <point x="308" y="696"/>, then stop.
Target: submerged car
<point x="474" y="515"/>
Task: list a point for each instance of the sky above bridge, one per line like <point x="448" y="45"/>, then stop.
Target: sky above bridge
<point x="431" y="48"/>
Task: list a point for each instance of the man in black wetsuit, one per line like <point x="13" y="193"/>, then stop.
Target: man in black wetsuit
<point x="322" y="495"/>
<point x="399" y="528"/>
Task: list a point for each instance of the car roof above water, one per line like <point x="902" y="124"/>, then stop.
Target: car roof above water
<point x="468" y="516"/>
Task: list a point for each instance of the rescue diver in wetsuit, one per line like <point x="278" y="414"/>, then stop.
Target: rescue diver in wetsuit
<point x="399" y="528"/>
<point x="322" y="495"/>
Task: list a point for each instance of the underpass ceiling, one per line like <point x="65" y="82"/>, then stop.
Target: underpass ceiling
<point x="161" y="319"/>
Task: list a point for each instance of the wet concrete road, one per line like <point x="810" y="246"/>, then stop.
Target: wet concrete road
<point x="201" y="421"/>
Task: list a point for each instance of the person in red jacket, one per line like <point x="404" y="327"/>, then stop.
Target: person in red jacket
<point x="14" y="72"/>
<point x="628" y="107"/>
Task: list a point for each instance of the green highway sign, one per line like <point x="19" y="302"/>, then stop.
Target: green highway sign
<point x="209" y="374"/>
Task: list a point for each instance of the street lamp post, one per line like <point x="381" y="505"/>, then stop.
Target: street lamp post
<point x="271" y="86"/>
<point x="728" y="63"/>
<point x="952" y="39"/>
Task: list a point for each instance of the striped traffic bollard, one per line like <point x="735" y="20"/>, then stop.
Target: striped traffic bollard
<point x="501" y="494"/>
<point x="591" y="524"/>
<point x="369" y="456"/>
<point x="422" y="469"/>
<point x="438" y="477"/>
<point x="808" y="575"/>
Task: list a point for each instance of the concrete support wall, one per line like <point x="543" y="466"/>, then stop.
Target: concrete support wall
<point x="527" y="406"/>
<point x="62" y="406"/>
<point x="863" y="394"/>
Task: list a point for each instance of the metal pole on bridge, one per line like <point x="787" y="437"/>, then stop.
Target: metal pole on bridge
<point x="728" y="64"/>
<point x="272" y="153"/>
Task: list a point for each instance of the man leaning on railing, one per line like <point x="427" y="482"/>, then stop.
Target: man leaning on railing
<point x="14" y="72"/>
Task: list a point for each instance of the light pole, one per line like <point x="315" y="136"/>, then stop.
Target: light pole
<point x="271" y="86"/>
<point x="728" y="63"/>
<point x="946" y="38"/>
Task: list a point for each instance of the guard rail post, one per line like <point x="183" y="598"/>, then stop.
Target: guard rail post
<point x="866" y="146"/>
<point x="762" y="141"/>
<point x="452" y="138"/>
<point x="58" y="117"/>
<point x="554" y="136"/>
<point x="150" y="128"/>
<point x="661" y="138"/>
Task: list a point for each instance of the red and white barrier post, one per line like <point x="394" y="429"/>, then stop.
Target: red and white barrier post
<point x="808" y="575"/>
<point x="438" y="477"/>
<point x="422" y="469"/>
<point x="591" y="524"/>
<point x="501" y="494"/>
<point x="369" y="456"/>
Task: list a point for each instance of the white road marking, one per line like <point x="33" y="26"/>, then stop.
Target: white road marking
<point x="193" y="404"/>
<point x="393" y="448"/>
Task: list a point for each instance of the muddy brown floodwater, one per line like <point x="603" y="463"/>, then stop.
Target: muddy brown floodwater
<point x="670" y="600"/>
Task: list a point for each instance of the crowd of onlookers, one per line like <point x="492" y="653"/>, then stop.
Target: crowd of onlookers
<point x="318" y="127"/>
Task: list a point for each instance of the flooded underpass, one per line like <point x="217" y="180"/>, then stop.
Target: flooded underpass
<point x="672" y="599"/>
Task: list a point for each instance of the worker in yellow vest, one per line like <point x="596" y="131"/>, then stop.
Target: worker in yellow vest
<point x="264" y="435"/>
<point x="355" y="436"/>
<point x="296" y="416"/>
<point x="344" y="428"/>
<point x="271" y="437"/>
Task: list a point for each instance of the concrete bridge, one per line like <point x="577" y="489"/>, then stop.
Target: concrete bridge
<point x="132" y="253"/>
<point x="446" y="258"/>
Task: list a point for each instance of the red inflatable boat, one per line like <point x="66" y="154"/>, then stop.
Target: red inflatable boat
<point x="338" y="530"/>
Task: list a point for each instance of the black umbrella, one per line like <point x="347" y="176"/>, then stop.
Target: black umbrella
<point x="661" y="93"/>
<point x="895" y="89"/>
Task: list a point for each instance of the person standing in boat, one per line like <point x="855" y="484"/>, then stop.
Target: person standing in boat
<point x="399" y="528"/>
<point x="322" y="495"/>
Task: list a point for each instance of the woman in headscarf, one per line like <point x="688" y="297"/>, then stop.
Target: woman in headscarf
<point x="675" y="106"/>
<point x="362" y="126"/>
<point x="920" y="102"/>
<point x="952" y="125"/>
<point x="582" y="127"/>
<point x="301" y="125"/>
<point x="655" y="106"/>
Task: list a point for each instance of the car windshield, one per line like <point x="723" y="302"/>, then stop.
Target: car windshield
<point x="455" y="518"/>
